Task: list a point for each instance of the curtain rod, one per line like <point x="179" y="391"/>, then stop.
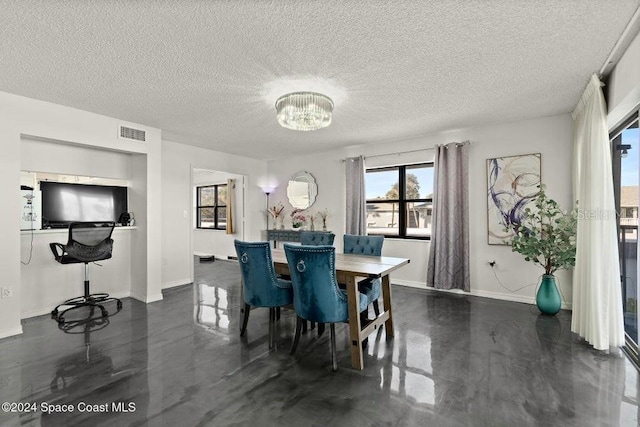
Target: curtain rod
<point x="397" y="153"/>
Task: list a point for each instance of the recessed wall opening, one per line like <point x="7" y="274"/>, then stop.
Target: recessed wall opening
<point x="217" y="207"/>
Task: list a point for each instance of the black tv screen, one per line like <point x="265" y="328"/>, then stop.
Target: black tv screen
<point x="64" y="203"/>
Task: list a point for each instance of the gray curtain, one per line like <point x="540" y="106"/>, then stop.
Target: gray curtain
<point x="356" y="216"/>
<point x="449" y="253"/>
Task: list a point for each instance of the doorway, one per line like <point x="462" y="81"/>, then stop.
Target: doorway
<point x="625" y="144"/>
<point x="218" y="202"/>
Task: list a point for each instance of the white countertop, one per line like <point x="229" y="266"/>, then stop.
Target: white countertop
<point x="66" y="230"/>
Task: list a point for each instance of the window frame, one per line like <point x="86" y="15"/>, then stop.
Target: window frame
<point x="402" y="201"/>
<point x="216" y="205"/>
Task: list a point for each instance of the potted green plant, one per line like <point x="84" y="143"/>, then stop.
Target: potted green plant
<point x="546" y="236"/>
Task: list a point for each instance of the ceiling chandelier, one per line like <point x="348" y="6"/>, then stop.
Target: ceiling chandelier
<point x="304" y="110"/>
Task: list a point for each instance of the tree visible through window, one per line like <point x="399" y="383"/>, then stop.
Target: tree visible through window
<point x="212" y="206"/>
<point x="400" y="200"/>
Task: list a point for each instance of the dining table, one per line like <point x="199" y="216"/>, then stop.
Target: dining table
<point x="350" y="268"/>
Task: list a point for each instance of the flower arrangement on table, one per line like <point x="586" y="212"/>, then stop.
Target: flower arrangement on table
<point x="323" y="215"/>
<point x="276" y="212"/>
<point x="298" y="218"/>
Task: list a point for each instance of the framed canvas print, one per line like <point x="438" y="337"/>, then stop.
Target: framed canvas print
<point x="512" y="182"/>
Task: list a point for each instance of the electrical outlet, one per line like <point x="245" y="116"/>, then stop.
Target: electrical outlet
<point x="6" y="293"/>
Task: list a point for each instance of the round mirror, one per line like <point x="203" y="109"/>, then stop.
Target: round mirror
<point x="302" y="190"/>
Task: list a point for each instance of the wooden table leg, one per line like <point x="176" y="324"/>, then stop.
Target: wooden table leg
<point x="386" y="298"/>
<point x="354" y="323"/>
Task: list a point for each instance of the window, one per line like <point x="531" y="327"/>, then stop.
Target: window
<point x="400" y="201"/>
<point x="211" y="207"/>
<point x="625" y="144"/>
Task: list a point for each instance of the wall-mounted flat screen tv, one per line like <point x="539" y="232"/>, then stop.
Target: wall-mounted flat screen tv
<point x="64" y="203"/>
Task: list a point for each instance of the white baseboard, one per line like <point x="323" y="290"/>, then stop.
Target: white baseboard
<point x="36" y="312"/>
<point x="10" y="333"/>
<point x="485" y="294"/>
<point x="47" y="310"/>
<point x="500" y="296"/>
<point x="148" y="299"/>
<point x="175" y="283"/>
<point x="409" y="284"/>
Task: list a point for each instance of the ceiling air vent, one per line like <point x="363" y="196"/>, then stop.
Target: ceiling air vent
<point x="132" y="134"/>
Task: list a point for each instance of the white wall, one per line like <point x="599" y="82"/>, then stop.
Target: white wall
<point x="67" y="159"/>
<point x="216" y="242"/>
<point x="25" y="118"/>
<point x="329" y="175"/>
<point x="623" y="86"/>
<point x="178" y="160"/>
<point x="45" y="283"/>
<point x="551" y="136"/>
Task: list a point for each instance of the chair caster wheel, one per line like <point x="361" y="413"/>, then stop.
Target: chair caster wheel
<point x="119" y="305"/>
<point x="60" y="320"/>
<point x="54" y="314"/>
<point x="105" y="313"/>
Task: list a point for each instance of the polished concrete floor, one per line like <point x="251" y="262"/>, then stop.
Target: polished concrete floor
<point x="455" y="361"/>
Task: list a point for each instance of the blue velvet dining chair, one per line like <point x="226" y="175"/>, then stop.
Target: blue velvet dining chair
<point x="371" y="246"/>
<point x="260" y="285"/>
<point x="316" y="238"/>
<point x="316" y="295"/>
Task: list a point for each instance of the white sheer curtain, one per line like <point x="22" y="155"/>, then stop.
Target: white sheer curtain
<point x="597" y="300"/>
<point x="356" y="215"/>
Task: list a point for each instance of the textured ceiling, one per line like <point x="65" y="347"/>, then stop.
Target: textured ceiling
<point x="208" y="72"/>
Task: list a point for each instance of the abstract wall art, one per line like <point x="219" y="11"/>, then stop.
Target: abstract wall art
<point x="512" y="183"/>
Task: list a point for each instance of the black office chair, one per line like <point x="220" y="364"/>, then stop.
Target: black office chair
<point x="88" y="242"/>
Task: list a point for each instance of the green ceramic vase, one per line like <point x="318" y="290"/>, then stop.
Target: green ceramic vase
<point x="548" y="297"/>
